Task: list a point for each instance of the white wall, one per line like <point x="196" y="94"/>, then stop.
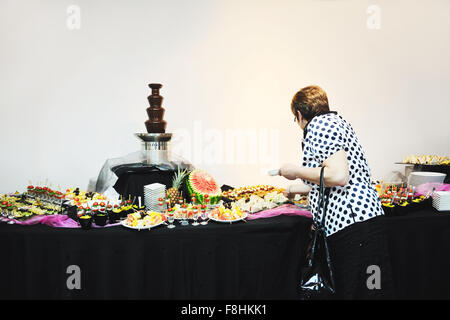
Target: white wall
<point x="70" y="99"/>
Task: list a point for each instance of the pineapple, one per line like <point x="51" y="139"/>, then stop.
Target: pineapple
<point x="174" y="194"/>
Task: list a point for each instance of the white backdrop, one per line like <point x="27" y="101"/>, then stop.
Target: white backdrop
<point x="74" y="75"/>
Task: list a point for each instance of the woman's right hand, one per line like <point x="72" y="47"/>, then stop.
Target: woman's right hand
<point x="294" y="189"/>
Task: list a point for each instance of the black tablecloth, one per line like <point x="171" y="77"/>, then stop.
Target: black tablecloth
<point x="133" y="177"/>
<point x="259" y="259"/>
<point x="419" y="245"/>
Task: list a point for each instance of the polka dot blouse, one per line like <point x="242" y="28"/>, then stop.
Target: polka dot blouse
<point x="358" y="200"/>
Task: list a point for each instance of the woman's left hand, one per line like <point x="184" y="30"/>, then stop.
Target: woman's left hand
<point x="289" y="171"/>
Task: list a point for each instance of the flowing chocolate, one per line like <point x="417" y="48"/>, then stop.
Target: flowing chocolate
<point x="155" y="112"/>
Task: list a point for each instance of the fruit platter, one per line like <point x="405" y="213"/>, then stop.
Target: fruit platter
<point x="227" y="213"/>
<point x="140" y="220"/>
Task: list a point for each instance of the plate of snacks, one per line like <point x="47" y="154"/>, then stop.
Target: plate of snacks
<point x="77" y="197"/>
<point x="301" y="201"/>
<point x="426" y="159"/>
<point x="256" y="203"/>
<point x="101" y="203"/>
<point x="23" y="207"/>
<point x="246" y="192"/>
<point x="227" y="214"/>
<point x="143" y="220"/>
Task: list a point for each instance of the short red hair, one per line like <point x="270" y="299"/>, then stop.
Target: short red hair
<point x="310" y="101"/>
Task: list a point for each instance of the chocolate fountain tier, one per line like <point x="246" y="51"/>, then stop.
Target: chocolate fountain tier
<point x="156" y="127"/>
<point x="155" y="87"/>
<point x="155" y="115"/>
<point x="155" y="101"/>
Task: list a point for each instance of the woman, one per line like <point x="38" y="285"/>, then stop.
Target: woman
<point x="356" y="236"/>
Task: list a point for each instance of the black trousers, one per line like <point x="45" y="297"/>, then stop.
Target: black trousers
<point x="360" y="261"/>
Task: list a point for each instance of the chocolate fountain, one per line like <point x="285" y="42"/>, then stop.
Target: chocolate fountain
<point x="129" y="174"/>
<point x="156" y="140"/>
<point x="155" y="122"/>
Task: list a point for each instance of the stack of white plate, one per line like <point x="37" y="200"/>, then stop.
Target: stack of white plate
<point x="420" y="177"/>
<point x="152" y="193"/>
<point x="441" y="200"/>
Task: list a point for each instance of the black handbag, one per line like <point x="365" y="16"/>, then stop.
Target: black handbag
<point x="317" y="280"/>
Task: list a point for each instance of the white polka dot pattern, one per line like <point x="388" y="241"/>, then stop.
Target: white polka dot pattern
<point x="358" y="200"/>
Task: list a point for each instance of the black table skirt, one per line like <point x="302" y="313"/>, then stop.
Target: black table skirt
<point x="419" y="246"/>
<point x="259" y="259"/>
<point x="254" y="260"/>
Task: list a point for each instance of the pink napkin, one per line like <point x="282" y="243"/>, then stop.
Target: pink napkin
<point x="287" y="209"/>
<point x="426" y="188"/>
<point x="57" y="221"/>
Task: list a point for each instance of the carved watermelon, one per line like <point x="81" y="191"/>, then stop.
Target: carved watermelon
<point x="201" y="183"/>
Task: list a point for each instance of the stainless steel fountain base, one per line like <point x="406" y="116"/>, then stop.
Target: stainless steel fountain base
<point x="155" y="147"/>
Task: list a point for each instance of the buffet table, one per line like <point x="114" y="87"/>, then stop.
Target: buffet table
<point x="257" y="259"/>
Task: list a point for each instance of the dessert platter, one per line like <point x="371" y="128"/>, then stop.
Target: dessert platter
<point x="74" y="196"/>
<point x="255" y="198"/>
<point x="141" y="220"/>
<point x="246" y="192"/>
<point x="426" y="159"/>
<point x="36" y="200"/>
<point x="256" y="203"/>
<point x="397" y="201"/>
<point x="106" y="212"/>
<point x="20" y="207"/>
